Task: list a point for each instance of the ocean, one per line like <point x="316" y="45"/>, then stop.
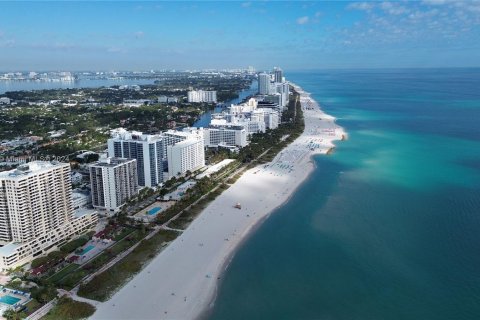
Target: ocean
<point x="388" y="226"/>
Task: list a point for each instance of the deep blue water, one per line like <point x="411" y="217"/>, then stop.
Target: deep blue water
<point x="388" y="227"/>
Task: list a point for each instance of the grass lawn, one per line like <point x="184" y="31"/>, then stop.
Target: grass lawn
<point x="62" y="273"/>
<point x="105" y="284"/>
<point x="68" y="309"/>
<point x="123" y="234"/>
<point x="71" y="279"/>
<point x="32" y="306"/>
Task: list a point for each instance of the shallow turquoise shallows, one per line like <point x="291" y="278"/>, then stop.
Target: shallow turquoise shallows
<point x="388" y="227"/>
<point x="9" y="300"/>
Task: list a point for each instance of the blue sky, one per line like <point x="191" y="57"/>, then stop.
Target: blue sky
<point x="295" y="35"/>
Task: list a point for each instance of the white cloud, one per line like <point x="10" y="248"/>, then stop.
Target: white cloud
<point x="363" y="6"/>
<point x="393" y="8"/>
<point x="246" y="4"/>
<point x="303" y="20"/>
<point x="318" y="14"/>
<point x="435" y="2"/>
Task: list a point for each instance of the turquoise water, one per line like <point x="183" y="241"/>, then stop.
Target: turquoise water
<point x="153" y="211"/>
<point x="388" y="227"/>
<point x="84" y="251"/>
<point x="9" y="300"/>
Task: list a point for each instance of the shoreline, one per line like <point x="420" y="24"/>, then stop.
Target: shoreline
<point x="182" y="281"/>
<point x="209" y="308"/>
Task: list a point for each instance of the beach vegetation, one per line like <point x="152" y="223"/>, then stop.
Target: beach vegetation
<point x="69" y="309"/>
<point x="103" y="285"/>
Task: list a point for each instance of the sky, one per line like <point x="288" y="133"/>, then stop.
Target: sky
<point x="101" y="35"/>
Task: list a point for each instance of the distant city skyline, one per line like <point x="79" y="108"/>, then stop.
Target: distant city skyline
<point x="77" y="36"/>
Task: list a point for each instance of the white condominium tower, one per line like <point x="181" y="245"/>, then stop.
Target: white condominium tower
<point x="113" y="182"/>
<point x="187" y="155"/>
<point x="148" y="150"/>
<point x="34" y="199"/>
<point x="202" y="96"/>
<point x="36" y="211"/>
<point x="185" y="150"/>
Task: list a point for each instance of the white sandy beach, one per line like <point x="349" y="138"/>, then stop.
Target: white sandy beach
<point x="181" y="281"/>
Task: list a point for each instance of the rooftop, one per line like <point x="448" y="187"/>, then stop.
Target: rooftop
<point x="83" y="212"/>
<point x="31" y="168"/>
<point x="111" y="162"/>
<point x="10" y="248"/>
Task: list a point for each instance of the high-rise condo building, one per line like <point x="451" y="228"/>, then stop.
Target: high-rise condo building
<point x="263" y="83"/>
<point x="113" y="182"/>
<point x="187" y="155"/>
<point x="278" y="75"/>
<point x="148" y="150"/>
<point x="36" y="211"/>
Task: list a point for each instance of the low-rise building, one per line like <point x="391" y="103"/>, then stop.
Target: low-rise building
<point x="225" y="136"/>
<point x="81" y="199"/>
<point x="5" y="100"/>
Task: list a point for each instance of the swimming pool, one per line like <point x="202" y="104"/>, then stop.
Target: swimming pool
<point x="9" y="300"/>
<point x="84" y="251"/>
<point x="153" y="211"/>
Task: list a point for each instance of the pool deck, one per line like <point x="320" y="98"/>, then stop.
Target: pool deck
<point x="143" y="215"/>
<point x="10" y="292"/>
<point x="98" y="247"/>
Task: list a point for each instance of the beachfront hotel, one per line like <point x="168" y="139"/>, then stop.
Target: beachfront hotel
<point x="231" y="128"/>
<point x="187" y="155"/>
<point x="147" y="149"/>
<point x="225" y="136"/>
<point x="151" y="152"/>
<point x="36" y="211"/>
<point x="113" y="182"/>
<point x="273" y="87"/>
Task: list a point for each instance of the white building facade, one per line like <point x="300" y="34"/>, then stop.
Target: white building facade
<point x="148" y="150"/>
<point x="36" y="211"/>
<point x="202" y="96"/>
<point x="187" y="155"/>
<point x="227" y="136"/>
